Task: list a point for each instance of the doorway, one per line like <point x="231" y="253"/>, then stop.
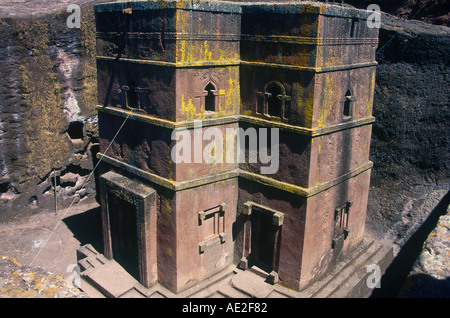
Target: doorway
<point x="263" y="240"/>
<point x="129" y="225"/>
<point x="124" y="239"/>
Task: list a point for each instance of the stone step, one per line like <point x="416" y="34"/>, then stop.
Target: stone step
<point x="216" y="294"/>
<point x="277" y="294"/>
<point x="349" y="278"/>
<point x="157" y="294"/>
<point x="229" y="291"/>
<point x="156" y="291"/>
<point x="345" y="273"/>
<point x="92" y="261"/>
<point x="319" y="285"/>
<point x="110" y="279"/>
<point x="207" y="292"/>
<point x="356" y="284"/>
<point x="133" y="293"/>
<point x="106" y="278"/>
<point x="86" y="251"/>
<point x="252" y="283"/>
<point x="258" y="271"/>
<point x="90" y="290"/>
<point x="205" y="285"/>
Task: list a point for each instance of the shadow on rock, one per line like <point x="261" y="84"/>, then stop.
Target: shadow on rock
<point x="397" y="273"/>
<point x="87" y="227"/>
<point x="425" y="286"/>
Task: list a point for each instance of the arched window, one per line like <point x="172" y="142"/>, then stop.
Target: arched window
<point x="274" y="94"/>
<point x="210" y="98"/>
<point x="348" y="104"/>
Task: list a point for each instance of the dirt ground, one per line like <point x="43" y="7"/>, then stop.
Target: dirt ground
<point x="50" y="241"/>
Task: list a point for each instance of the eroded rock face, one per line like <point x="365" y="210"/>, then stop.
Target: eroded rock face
<point x="431" y="11"/>
<point x="17" y="281"/>
<point x="430" y="274"/>
<point x="410" y="137"/>
<point x="436" y="251"/>
<point x="48" y="124"/>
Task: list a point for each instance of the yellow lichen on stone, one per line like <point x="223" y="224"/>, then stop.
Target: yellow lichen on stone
<point x="370" y="95"/>
<point x="12" y="259"/>
<point x="305" y="104"/>
<point x="26" y="282"/>
<point x="168" y="209"/>
<point x="44" y="122"/>
<point x="232" y="97"/>
<point x="206" y="54"/>
<point x="228" y="55"/>
<point x="180" y="54"/>
<point x="327" y="103"/>
<point x="188" y="108"/>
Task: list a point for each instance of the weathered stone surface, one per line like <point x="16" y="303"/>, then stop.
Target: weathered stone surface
<point x="299" y="75"/>
<point x="409" y="177"/>
<point x="47" y="118"/>
<point x="17" y="281"/>
<point x="252" y="283"/>
<point x="435" y="257"/>
<point x="432" y="11"/>
<point x="410" y="139"/>
<point x="430" y="274"/>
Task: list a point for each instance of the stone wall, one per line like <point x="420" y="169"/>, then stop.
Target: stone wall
<point x="410" y="139"/>
<point x="429" y="11"/>
<point x="48" y="120"/>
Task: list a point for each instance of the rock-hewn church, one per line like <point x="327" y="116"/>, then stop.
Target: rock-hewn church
<point x="306" y="69"/>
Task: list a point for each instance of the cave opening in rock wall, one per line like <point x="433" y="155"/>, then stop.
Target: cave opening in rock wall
<point x="4" y="187"/>
<point x="75" y="130"/>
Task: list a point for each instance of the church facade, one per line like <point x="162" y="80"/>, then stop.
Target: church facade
<point x="294" y="79"/>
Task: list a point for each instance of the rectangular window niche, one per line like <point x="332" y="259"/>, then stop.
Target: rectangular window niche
<point x="212" y="225"/>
